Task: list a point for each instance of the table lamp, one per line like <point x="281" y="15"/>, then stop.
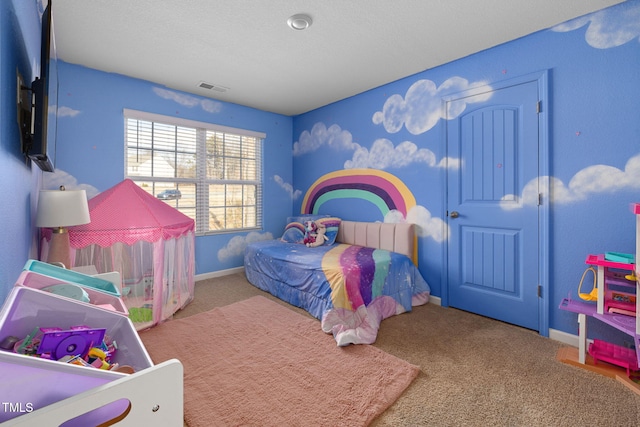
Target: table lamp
<point x="58" y="209"/>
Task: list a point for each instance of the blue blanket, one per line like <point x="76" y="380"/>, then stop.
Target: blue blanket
<point x="349" y="288"/>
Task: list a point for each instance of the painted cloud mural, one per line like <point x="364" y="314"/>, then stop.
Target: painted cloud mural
<point x="287" y="187"/>
<point x="333" y="136"/>
<point x="591" y="180"/>
<point x="426" y="224"/>
<point x="421" y="107"/>
<point x="383" y="155"/>
<point x="63" y="111"/>
<point x="237" y="244"/>
<point x="609" y="27"/>
<point x="372" y="162"/>
<point x="207" y="105"/>
<point x="53" y="181"/>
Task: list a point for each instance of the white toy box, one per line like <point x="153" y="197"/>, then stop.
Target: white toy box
<point x="26" y="309"/>
<point x="30" y="383"/>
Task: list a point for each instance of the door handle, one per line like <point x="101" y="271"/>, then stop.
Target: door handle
<point x="454" y="214"/>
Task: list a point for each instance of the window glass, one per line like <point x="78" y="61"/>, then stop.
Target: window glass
<point x="210" y="173"/>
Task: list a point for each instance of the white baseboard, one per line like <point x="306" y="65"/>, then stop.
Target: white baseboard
<point x="219" y="273"/>
<point x="435" y="300"/>
<point x="565" y="337"/>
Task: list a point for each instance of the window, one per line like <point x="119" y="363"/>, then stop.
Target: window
<point x="210" y="173"/>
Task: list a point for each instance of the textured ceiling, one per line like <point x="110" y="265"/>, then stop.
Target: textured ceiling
<point x="246" y="46"/>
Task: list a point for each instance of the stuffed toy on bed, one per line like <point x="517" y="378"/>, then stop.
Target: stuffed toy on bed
<point x="318" y="237"/>
<point x="310" y="228"/>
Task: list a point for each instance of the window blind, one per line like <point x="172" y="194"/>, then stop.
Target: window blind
<point x="216" y="170"/>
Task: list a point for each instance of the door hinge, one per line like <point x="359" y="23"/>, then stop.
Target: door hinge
<point x="539" y="199"/>
<point x="539" y="291"/>
<point x="539" y="107"/>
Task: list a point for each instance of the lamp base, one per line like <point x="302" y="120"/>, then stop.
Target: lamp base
<point x="59" y="248"/>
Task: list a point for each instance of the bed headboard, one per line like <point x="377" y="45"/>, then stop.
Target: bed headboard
<point x="395" y="237"/>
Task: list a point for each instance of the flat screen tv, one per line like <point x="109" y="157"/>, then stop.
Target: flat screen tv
<point x="40" y="147"/>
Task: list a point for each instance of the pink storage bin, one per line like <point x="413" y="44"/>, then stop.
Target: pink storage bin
<point x="99" y="299"/>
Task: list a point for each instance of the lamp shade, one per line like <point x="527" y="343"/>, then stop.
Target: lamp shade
<point x="62" y="208"/>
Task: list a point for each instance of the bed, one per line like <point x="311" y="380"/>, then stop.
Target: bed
<point x="363" y="273"/>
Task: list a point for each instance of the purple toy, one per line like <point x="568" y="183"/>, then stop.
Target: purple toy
<point x="56" y="343"/>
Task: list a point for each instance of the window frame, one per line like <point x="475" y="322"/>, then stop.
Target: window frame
<point x="201" y="181"/>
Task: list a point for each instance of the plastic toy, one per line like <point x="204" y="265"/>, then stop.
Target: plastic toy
<point x="29" y="344"/>
<point x="56" y="343"/>
<point x="617" y="294"/>
<point x="593" y="295"/>
<point x="614" y="354"/>
<point x="98" y="358"/>
<point x="79" y="345"/>
<point x="619" y="257"/>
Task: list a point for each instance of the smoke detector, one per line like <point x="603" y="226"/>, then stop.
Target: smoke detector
<point x="299" y="21"/>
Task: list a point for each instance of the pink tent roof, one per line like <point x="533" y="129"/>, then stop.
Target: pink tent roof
<point x="126" y="213"/>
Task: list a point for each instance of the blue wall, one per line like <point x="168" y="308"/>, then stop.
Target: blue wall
<point x="19" y="50"/>
<point x="594" y="140"/>
<point x="90" y="149"/>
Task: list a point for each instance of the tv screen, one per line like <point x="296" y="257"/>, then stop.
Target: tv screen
<point x="42" y="147"/>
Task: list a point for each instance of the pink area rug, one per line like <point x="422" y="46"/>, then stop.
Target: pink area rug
<point x="257" y="363"/>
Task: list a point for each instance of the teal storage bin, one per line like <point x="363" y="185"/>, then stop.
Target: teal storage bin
<point x="619" y="257"/>
<point x="71" y="276"/>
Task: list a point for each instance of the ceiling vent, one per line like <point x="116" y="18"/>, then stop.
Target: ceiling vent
<point x="209" y="86"/>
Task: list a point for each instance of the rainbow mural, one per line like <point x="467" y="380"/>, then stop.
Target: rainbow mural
<point x="384" y="190"/>
<point x="381" y="188"/>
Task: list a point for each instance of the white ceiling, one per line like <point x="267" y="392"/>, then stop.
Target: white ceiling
<point x="247" y="47"/>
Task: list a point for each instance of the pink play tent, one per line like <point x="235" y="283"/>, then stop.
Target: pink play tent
<point x="149" y="242"/>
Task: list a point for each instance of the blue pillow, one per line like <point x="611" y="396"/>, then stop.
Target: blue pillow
<point x="331" y="224"/>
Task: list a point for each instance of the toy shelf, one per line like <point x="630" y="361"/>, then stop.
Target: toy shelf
<point x="600" y="261"/>
<point x="611" y="274"/>
<point x="578" y="307"/>
<point x="606" y="278"/>
<point x="621" y="322"/>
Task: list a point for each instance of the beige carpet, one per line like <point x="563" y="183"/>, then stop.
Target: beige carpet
<point x="257" y="363"/>
<point x="474" y="371"/>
